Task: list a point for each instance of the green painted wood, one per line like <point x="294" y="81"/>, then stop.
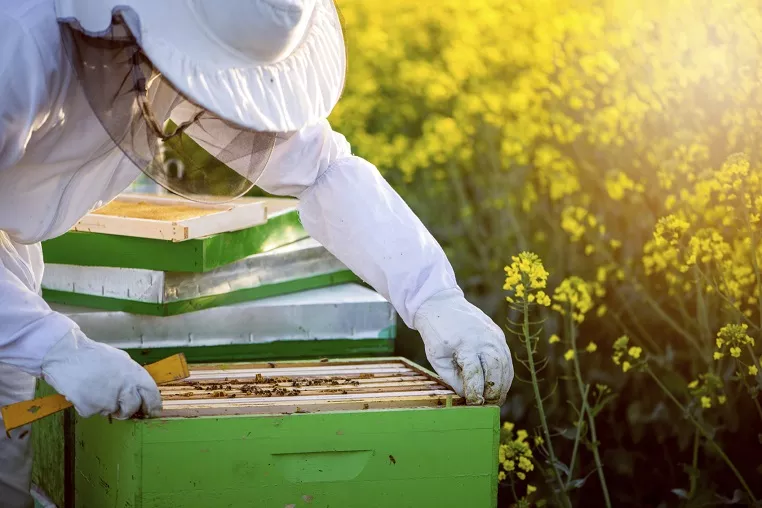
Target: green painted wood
<point x="206" y="302"/>
<point x="271" y="351"/>
<point x="198" y="255"/>
<point x="387" y="458"/>
<point x="48" y="446"/>
<point x="108" y="469"/>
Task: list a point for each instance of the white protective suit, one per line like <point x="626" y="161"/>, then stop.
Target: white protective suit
<point x="57" y="163"/>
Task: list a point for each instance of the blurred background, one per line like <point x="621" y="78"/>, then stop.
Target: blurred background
<point x="619" y="142"/>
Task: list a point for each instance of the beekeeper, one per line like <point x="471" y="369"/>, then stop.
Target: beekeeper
<point x="208" y="99"/>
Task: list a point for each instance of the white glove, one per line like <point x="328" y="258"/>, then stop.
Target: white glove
<point x="99" y="379"/>
<point x="465" y="347"/>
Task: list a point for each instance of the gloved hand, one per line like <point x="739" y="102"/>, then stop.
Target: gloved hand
<point x="465" y="347"/>
<point x="99" y="379"/>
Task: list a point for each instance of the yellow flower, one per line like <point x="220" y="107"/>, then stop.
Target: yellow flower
<point x="753" y="370"/>
<point x="574" y="296"/>
<point x="554" y="338"/>
<point x="501" y="476"/>
<point x="538" y="440"/>
<point x="722" y="399"/>
<point x="693" y="384"/>
<point x="509" y="465"/>
<point x="718" y="356"/>
<point x="522" y="476"/>
<point x="521" y="435"/>
<point x="720" y="343"/>
<point x="635" y="352"/>
<point x="706" y="402"/>
<point x="508" y="426"/>
<point x="626" y="366"/>
<point x="734" y="335"/>
<point x="531" y="489"/>
<point x="526" y="277"/>
<point x="592" y="347"/>
<point x="569" y="355"/>
<point x="525" y="464"/>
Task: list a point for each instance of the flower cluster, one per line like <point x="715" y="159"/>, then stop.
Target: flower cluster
<point x="625" y="355"/>
<point x="527" y="278"/>
<point x="733" y="340"/>
<point x="515" y="455"/>
<point x="708" y="390"/>
<point x="574" y="297"/>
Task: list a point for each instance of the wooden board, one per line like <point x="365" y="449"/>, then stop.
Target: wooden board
<point x="171" y="218"/>
<point x="22" y="413"/>
<point x="304" y="387"/>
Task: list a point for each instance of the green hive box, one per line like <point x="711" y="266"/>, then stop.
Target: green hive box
<point x="389" y="434"/>
<point x="197" y="255"/>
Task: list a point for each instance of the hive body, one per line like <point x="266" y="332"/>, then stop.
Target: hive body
<point x="341" y="433"/>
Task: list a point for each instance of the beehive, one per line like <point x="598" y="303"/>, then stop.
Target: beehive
<point x="380" y="433"/>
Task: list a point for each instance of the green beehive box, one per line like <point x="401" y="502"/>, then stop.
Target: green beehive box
<point x="380" y="433"/>
<point x="117" y="248"/>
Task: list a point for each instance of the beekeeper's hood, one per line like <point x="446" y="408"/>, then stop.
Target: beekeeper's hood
<point x="195" y="91"/>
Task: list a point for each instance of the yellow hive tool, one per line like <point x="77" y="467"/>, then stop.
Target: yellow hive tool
<point x="173" y="368"/>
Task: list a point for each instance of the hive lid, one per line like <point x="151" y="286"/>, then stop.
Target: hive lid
<point x="305" y="387"/>
<point x="171" y="218"/>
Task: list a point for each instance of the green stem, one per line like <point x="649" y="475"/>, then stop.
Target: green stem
<point x="636" y="323"/>
<point x="746" y="383"/>
<point x="701" y="309"/>
<point x="540" y="409"/>
<point x="657" y="308"/>
<point x="706" y="435"/>
<point x="590" y="417"/>
<point x="755" y="264"/>
<point x="572" y="465"/>
<point x="513" y="490"/>
<point x="693" y="476"/>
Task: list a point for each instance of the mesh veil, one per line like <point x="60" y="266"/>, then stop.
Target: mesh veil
<point x="185" y="148"/>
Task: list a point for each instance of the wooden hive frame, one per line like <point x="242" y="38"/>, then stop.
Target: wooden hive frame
<point x="305" y="387"/>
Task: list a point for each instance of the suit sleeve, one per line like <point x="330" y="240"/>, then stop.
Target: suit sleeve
<point x="347" y="206"/>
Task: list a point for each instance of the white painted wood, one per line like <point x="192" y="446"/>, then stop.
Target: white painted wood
<point x="110" y="282"/>
<point x="233" y="216"/>
<point x="127" y="226"/>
